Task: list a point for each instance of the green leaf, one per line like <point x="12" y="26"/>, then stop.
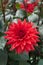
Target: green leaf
<point x="3" y="57"/>
<point x="21" y="14"/>
<point x="41" y="15"/>
<point x="18" y="57"/>
<point x="33" y="18"/>
<point x="23" y="63"/>
<point x="2" y="42"/>
<point x="41" y="31"/>
<point x="41" y="62"/>
<point x="1" y="26"/>
<point x="19" y="1"/>
<point x="1" y="34"/>
<point x="14" y="62"/>
<point x="12" y="1"/>
<point x="17" y="5"/>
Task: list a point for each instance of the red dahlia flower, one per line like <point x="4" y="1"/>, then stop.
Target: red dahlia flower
<point x="22" y="36"/>
<point x="32" y="1"/>
<point x="29" y="7"/>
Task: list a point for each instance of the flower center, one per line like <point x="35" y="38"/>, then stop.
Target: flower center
<point x="21" y="34"/>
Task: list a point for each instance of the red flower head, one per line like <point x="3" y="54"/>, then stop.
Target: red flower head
<point x="22" y="36"/>
<point x="29" y="7"/>
<point x="36" y="1"/>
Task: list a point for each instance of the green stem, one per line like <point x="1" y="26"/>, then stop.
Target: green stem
<point x="40" y="8"/>
<point x="3" y="10"/>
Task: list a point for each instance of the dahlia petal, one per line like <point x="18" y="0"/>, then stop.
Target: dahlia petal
<point x="37" y="40"/>
<point x="24" y="43"/>
<point x="34" y="40"/>
<point x="18" y="50"/>
<point x="22" y="47"/>
<point x="32" y="48"/>
<point x="11" y="41"/>
<point x="9" y="33"/>
<point x="29" y="42"/>
<point x="24" y="23"/>
<point x="7" y="37"/>
<point x="33" y="43"/>
<point x="19" y="22"/>
<point x="35" y="36"/>
<point x="11" y="26"/>
<point x="22" y="6"/>
<point x="14" y="46"/>
<point x="27" y="49"/>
